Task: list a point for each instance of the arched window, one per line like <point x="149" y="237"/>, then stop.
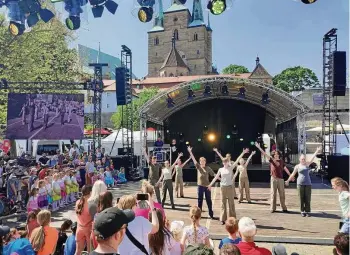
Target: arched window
<point x="156" y="41"/>
<point x="176" y="34"/>
<point x="195" y="37"/>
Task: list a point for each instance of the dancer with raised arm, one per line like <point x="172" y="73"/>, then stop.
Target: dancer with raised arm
<point x="228" y="156"/>
<point x="277" y="182"/>
<point x="179" y="182"/>
<point x="243" y="178"/>
<point x="154" y="173"/>
<point x="167" y="179"/>
<point x="304" y="182"/>
<point x="203" y="182"/>
<point x="226" y="186"/>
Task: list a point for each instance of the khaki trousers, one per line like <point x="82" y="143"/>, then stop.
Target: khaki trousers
<point x="244" y="185"/>
<point x="277" y="184"/>
<point x="179" y="184"/>
<point x="227" y="194"/>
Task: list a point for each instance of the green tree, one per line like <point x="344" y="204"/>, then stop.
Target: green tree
<point x="295" y="79"/>
<point x="144" y="96"/>
<point x="232" y="69"/>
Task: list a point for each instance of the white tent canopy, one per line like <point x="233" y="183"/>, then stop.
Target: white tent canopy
<point x="339" y="128"/>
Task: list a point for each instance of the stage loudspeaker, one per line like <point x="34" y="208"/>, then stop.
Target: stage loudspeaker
<point x="120" y="85"/>
<point x="122" y="151"/>
<point x="338" y="166"/>
<point x="339" y="73"/>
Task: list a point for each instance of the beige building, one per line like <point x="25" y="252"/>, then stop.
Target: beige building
<point x="180" y="42"/>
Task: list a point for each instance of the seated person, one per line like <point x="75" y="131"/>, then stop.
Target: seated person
<point x="341" y="243"/>
<point x="229" y="249"/>
<point x="231" y="226"/>
<point x="121" y="176"/>
<point x="69" y="248"/>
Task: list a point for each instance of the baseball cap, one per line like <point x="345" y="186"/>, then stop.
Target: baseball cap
<point x="279" y="250"/>
<point x="198" y="249"/>
<point x="4" y="230"/>
<point x="111" y="220"/>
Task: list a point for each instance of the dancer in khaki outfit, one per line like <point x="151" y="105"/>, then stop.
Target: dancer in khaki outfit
<point x="243" y="178"/>
<point x="226" y="186"/>
<point x="179" y="182"/>
<point x="277" y="182"/>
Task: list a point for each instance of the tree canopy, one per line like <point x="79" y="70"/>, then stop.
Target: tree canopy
<point x="144" y="96"/>
<point x="295" y="79"/>
<point x="231" y="69"/>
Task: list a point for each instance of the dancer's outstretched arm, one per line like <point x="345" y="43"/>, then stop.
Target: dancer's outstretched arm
<point x="145" y="154"/>
<point x="188" y="160"/>
<point x="191" y="155"/>
<point x="240" y="156"/>
<point x="262" y="151"/>
<point x="218" y="153"/>
<point x="314" y="156"/>
<point x="214" y="180"/>
<point x="249" y="158"/>
<point x="173" y="165"/>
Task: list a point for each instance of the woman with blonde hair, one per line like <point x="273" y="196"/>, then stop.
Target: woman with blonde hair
<point x="98" y="188"/>
<point x="44" y="238"/>
<point x="195" y="233"/>
<point x="140" y="228"/>
<point x="341" y="186"/>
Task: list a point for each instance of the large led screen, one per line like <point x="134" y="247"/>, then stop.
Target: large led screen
<point x="45" y="116"/>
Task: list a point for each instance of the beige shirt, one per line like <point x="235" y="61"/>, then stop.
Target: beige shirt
<point x="166" y="173"/>
<point x="226" y="175"/>
<point x="203" y="175"/>
<point x="242" y="172"/>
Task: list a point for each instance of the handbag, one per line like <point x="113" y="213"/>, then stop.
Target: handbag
<point x="135" y="241"/>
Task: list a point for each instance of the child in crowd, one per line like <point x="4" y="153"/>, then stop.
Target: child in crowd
<point x="68" y="184"/>
<point x="109" y="178"/>
<point x="56" y="193"/>
<point x="33" y="200"/>
<point x="342" y="187"/>
<point x="75" y="186"/>
<point x="231" y="226"/>
<point x="176" y="228"/>
<point x="32" y="222"/>
<point x="101" y="175"/>
<point x="121" y="176"/>
<point x="70" y="246"/>
<point x="63" y="190"/>
<point x="48" y="185"/>
<point x="42" y="195"/>
<point x="62" y="236"/>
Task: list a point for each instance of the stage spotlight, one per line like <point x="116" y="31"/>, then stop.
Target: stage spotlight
<point x="170" y="102"/>
<point x="16" y="28"/>
<point x="241" y="139"/>
<point x="199" y="139"/>
<point x="234" y="130"/>
<point x="73" y="7"/>
<point x="228" y="136"/>
<point x="205" y="130"/>
<point x="73" y="22"/>
<point x="207" y="91"/>
<point x="252" y="143"/>
<point x="224" y="90"/>
<point x="241" y="93"/>
<point x="191" y="94"/>
<point x="16" y="17"/>
<point x="145" y="14"/>
<point x="32" y="10"/>
<point x="187" y="143"/>
<point x="97" y="7"/>
<point x="265" y="98"/>
<point x="308" y="1"/>
<point x="216" y="7"/>
<point x="211" y="137"/>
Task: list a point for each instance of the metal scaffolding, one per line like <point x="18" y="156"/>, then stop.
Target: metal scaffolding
<point x="329" y="118"/>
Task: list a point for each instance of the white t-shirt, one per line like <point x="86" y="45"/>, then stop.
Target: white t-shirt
<point x="226" y="175"/>
<point x="202" y="234"/>
<point x="344" y="203"/>
<point x="139" y="228"/>
<point x="167" y="173"/>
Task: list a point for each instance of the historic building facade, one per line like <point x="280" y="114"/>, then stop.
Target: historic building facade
<point x="180" y="42"/>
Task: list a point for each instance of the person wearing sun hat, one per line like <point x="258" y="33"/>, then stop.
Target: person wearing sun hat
<point x="4" y="230"/>
<point x="108" y="237"/>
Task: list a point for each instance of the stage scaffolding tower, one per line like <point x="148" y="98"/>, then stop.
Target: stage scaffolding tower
<point x="127" y="110"/>
<point x="329" y="118"/>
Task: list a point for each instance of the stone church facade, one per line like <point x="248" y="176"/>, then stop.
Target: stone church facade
<point x="178" y="32"/>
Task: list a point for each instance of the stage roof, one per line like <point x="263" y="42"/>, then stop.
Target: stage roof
<point x="282" y="105"/>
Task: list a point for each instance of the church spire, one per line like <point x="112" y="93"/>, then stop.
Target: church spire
<point x="257" y="60"/>
<point x="208" y="26"/>
<point x="159" y="20"/>
<point x="197" y="14"/>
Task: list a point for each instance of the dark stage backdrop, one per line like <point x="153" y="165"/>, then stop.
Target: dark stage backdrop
<point x="219" y="116"/>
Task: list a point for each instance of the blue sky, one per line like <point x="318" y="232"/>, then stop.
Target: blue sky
<point x="284" y="33"/>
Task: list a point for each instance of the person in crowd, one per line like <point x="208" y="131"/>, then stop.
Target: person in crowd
<point x="143" y="208"/>
<point x="19" y="246"/>
<point x="154" y="172"/>
<point x="48" y="186"/>
<point x="84" y="220"/>
<point x="162" y="242"/>
<point x="32" y="222"/>
<point x="341" y="243"/>
<point x="279" y="249"/>
<point x="90" y="169"/>
<point x="231" y="226"/>
<point x="203" y="172"/>
<point x="82" y="174"/>
<point x="63" y="200"/>
<point x="121" y="176"/>
<point x="140" y="228"/>
<point x="62" y="236"/>
<point x="179" y="182"/>
<point x="176" y="228"/>
<point x="198" y="249"/>
<point x="167" y="178"/>
<point x="44" y="238"/>
<point x="158" y="144"/>
<point x="277" y="182"/>
<point x="109" y="239"/>
<point x="33" y="201"/>
<point x="70" y="245"/>
<point x="304" y="182"/>
<point x="342" y="187"/>
<point x="247" y="231"/>
<point x="229" y="249"/>
<point x="56" y="192"/>
<point x="75" y="185"/>
<point x="101" y="175"/>
<point x="12" y="187"/>
<point x="42" y="195"/>
<point x="243" y="183"/>
<point x="195" y="233"/>
<point x="226" y="185"/>
<point x="174" y="150"/>
<point x="68" y="184"/>
<point x="109" y="178"/>
<point x="98" y="188"/>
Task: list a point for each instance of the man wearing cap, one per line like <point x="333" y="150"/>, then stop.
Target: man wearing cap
<point x="109" y="238"/>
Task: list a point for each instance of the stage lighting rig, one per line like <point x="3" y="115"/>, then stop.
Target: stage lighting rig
<point x="191" y="94"/>
<point x="145" y="12"/>
<point x="216" y="7"/>
<point x="73" y="7"/>
<point x="16" y="16"/>
<point x="33" y="10"/>
<point x="170" y="102"/>
<point x="308" y="1"/>
<point x="241" y="93"/>
<point x="97" y="7"/>
<point x="207" y="91"/>
<point x="224" y="90"/>
<point x="265" y="98"/>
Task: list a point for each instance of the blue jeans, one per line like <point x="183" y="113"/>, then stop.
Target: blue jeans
<point x="201" y="191"/>
<point x="345" y="227"/>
